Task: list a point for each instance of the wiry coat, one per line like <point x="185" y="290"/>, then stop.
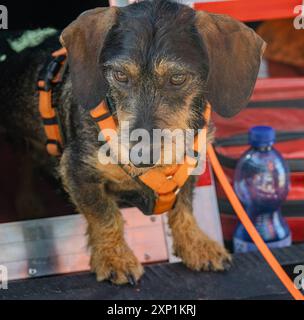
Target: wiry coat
<point x="149" y="42"/>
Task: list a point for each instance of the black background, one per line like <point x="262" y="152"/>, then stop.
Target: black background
<point x="31" y="14"/>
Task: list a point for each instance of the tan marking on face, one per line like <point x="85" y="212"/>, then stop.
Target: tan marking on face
<point x="128" y="66"/>
<point x="132" y="68"/>
<point x="163" y="66"/>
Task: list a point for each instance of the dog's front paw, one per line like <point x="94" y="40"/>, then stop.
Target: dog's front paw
<point x="198" y="252"/>
<point x="119" y="265"/>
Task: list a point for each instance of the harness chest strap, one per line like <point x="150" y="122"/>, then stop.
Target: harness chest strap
<point x="165" y="182"/>
<point x="54" y="140"/>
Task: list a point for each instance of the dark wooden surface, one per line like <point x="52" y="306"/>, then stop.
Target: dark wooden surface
<point x="249" y="278"/>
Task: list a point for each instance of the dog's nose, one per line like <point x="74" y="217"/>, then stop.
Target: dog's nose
<point x="143" y="165"/>
<point x="144" y="157"/>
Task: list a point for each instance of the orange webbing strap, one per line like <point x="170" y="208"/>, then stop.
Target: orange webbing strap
<point x="167" y="182"/>
<point x="242" y="215"/>
<point x="162" y="182"/>
<point x="51" y="128"/>
<point x="61" y="52"/>
<point x="52" y="75"/>
<point x="104" y="119"/>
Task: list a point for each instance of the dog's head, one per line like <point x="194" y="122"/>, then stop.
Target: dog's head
<point x="160" y="61"/>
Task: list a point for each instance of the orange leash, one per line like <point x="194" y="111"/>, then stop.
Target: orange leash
<point x="242" y="215"/>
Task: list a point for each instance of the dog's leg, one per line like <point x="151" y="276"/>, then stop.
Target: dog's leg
<point x="111" y="257"/>
<point x="190" y="243"/>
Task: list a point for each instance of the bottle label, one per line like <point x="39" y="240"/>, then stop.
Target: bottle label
<point x="242" y="246"/>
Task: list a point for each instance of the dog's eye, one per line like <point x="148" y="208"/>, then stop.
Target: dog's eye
<point x="120" y="76"/>
<point x="178" y="79"/>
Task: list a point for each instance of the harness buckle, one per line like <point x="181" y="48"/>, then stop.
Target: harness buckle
<point x="47" y="76"/>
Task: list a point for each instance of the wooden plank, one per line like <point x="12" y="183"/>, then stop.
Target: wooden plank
<point x="252" y="10"/>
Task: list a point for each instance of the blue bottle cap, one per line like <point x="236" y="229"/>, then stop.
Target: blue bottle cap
<point x="261" y="136"/>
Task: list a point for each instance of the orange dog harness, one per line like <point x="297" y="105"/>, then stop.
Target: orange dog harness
<point x="163" y="184"/>
<point x="167" y="181"/>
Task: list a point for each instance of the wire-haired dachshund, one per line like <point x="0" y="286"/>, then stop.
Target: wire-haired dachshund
<point x="158" y="62"/>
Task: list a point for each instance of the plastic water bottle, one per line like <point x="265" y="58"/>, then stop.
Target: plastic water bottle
<point x="262" y="183"/>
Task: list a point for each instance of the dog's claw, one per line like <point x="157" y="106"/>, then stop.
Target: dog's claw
<point x="112" y="275"/>
<point x="227" y="264"/>
<point x="131" y="280"/>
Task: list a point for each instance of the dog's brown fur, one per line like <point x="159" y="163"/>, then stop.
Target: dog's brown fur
<point x="220" y="58"/>
<point x="196" y="250"/>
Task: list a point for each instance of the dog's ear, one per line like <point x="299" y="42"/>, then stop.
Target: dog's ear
<point x="84" y="40"/>
<point x="234" y="54"/>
